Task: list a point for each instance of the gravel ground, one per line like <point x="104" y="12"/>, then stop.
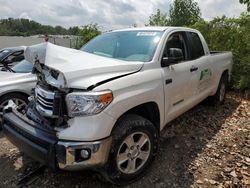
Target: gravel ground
<point x="205" y="147"/>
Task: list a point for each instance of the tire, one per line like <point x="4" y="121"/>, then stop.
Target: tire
<point x="20" y="99"/>
<point x="135" y="141"/>
<point x="220" y="94"/>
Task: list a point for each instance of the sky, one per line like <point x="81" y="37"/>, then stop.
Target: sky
<point x="109" y="14"/>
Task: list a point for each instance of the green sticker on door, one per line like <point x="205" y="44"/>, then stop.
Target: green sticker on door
<point x="205" y="78"/>
<point x="207" y="73"/>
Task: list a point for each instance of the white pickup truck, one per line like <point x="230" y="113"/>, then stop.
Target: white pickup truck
<point x="104" y="106"/>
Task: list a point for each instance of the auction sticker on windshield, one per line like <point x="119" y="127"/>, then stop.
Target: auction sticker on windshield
<point x="146" y="33"/>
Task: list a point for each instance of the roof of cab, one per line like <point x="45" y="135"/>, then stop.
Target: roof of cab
<point x="154" y="28"/>
<point x="143" y="29"/>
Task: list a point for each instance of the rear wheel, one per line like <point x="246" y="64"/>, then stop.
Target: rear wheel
<point x="220" y="94"/>
<point x="20" y="100"/>
<point x="134" y="146"/>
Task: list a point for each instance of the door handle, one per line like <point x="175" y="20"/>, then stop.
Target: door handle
<point x="168" y="81"/>
<point x="193" y="68"/>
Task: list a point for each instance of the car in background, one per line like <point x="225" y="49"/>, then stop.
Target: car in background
<point x="16" y="79"/>
<point x="11" y="56"/>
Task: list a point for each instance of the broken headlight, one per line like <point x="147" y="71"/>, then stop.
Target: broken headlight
<point x="54" y="78"/>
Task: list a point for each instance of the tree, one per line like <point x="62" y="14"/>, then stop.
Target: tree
<point x="61" y="30"/>
<point x="231" y="34"/>
<point x="88" y="32"/>
<point x="158" y="19"/>
<point x="74" y="30"/>
<point x="247" y="2"/>
<point x="184" y="13"/>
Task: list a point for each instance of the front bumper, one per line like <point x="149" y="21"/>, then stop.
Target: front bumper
<point x="98" y="150"/>
<point x="45" y="147"/>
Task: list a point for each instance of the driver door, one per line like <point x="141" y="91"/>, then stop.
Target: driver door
<point x="178" y="77"/>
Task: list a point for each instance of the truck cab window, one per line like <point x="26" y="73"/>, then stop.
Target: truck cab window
<point x="195" y="45"/>
<point x="176" y="40"/>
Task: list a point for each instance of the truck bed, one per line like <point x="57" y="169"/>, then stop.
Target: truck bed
<point x="218" y="52"/>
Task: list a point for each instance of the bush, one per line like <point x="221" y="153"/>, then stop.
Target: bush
<point x="231" y="34"/>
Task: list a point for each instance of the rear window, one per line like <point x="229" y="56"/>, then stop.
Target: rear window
<point x="196" y="46"/>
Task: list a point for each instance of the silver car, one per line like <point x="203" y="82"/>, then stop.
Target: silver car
<point x="16" y="85"/>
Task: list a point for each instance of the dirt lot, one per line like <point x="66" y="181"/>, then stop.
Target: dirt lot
<point x="205" y="147"/>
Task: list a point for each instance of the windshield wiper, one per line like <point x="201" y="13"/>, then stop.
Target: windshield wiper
<point x="8" y="68"/>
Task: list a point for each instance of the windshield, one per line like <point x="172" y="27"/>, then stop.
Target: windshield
<point x="125" y="45"/>
<point x="23" y="67"/>
<point x="3" y="54"/>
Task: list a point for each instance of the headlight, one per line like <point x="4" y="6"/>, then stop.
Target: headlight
<point x="87" y="103"/>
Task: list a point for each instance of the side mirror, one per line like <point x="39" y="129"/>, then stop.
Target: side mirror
<point x="175" y="55"/>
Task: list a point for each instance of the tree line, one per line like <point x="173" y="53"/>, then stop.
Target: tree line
<point x="25" y="27"/>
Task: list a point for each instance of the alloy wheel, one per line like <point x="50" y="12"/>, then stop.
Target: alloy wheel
<point x="133" y="152"/>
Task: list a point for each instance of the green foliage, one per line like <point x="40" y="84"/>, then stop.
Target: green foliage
<point x="25" y="27"/>
<point x="247" y="2"/>
<point x="74" y="30"/>
<point x="231" y="34"/>
<point x="158" y="19"/>
<point x="181" y="13"/>
<point x="88" y="32"/>
<point x="184" y="12"/>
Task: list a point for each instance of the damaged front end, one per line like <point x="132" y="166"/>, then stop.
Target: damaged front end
<point x="50" y="108"/>
<point x="49" y="98"/>
<point x="36" y="132"/>
<point x="41" y="143"/>
<point x="47" y="104"/>
<point x="57" y="103"/>
<point x="64" y="125"/>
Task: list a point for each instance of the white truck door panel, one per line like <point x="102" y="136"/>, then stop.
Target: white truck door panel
<point x="179" y="77"/>
<point x="180" y="90"/>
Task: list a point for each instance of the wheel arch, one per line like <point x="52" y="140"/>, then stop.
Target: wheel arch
<point x="149" y="111"/>
<point x="14" y="92"/>
<point x="225" y="73"/>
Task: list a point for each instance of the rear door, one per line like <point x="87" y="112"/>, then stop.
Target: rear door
<point x="201" y="67"/>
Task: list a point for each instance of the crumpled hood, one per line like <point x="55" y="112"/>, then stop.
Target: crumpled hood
<point x="80" y="69"/>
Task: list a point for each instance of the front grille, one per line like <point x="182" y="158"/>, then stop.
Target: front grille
<point x="44" y="101"/>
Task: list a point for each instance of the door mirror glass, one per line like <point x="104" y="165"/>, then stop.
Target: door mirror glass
<point x="175" y="55"/>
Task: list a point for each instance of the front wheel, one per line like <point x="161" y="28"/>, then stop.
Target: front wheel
<point x="134" y="146"/>
<point x="19" y="99"/>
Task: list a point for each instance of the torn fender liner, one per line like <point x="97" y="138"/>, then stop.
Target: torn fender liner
<point x="80" y="69"/>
